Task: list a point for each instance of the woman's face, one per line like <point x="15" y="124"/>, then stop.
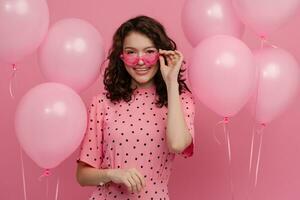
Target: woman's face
<point x="137" y="45"/>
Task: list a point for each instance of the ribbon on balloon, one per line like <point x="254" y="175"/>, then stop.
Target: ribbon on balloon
<point x="225" y="122"/>
<point x="12" y="80"/>
<point x="46" y="174"/>
<point x="276" y="70"/>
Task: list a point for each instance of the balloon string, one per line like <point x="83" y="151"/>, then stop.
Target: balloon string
<point x="12" y="80"/>
<point x="57" y="186"/>
<point x="46" y="175"/>
<point x="227" y="137"/>
<point x="228" y="141"/>
<point x="23" y="174"/>
<point x="256" y="95"/>
<point x="262" y="42"/>
<point x="265" y="41"/>
<point x="260" y="132"/>
<point x="257" y="80"/>
<point x="250" y="162"/>
<point x="47" y="187"/>
<point x="225" y="120"/>
<point x="251" y="152"/>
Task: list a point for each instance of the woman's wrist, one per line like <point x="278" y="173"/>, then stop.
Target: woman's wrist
<point x="105" y="176"/>
<point x="172" y="84"/>
<point x="109" y="174"/>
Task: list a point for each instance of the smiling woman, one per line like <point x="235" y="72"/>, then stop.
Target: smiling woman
<point x="142" y="121"/>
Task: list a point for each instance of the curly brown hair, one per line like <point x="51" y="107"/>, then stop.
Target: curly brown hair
<point x="117" y="80"/>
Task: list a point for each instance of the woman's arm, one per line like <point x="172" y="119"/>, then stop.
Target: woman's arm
<point x="178" y="136"/>
<point x="89" y="176"/>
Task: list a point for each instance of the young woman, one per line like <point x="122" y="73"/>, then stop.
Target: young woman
<point x="142" y="121"/>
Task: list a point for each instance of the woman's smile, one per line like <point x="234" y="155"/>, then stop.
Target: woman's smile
<point x="142" y="70"/>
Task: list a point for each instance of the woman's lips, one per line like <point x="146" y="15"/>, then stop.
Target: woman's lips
<point x="141" y="71"/>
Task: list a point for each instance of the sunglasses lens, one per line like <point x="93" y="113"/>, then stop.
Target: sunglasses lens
<point x="132" y="59"/>
<point x="150" y="59"/>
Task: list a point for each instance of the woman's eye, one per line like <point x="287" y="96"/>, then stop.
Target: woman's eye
<point x="129" y="52"/>
<point x="151" y="51"/>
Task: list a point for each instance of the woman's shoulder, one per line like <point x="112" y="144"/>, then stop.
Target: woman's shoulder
<point x="99" y="99"/>
<point x="185" y="94"/>
<point x="101" y="96"/>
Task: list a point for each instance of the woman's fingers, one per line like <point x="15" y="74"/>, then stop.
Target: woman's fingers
<point x="137" y="181"/>
<point x="162" y="61"/>
<point x="169" y="60"/>
<point x="180" y="56"/>
<point x="166" y="52"/>
<point x="141" y="178"/>
<point x="128" y="185"/>
<point x="132" y="183"/>
<point x="172" y="57"/>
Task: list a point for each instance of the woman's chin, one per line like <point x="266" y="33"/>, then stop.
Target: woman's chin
<point x="142" y="82"/>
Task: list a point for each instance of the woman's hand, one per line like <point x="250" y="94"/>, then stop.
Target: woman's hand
<point x="131" y="178"/>
<point x="170" y="69"/>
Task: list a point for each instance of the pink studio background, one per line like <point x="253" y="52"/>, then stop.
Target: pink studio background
<point x="205" y="175"/>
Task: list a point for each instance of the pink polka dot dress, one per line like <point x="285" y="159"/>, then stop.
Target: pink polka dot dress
<point x="133" y="135"/>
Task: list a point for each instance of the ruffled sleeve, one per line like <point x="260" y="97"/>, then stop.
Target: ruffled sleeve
<point x="91" y="145"/>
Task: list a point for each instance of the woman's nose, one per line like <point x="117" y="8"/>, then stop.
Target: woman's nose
<point x="141" y="61"/>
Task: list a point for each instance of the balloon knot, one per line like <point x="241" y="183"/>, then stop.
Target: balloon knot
<point x="226" y="120"/>
<point x="46" y="173"/>
<point x="14" y="67"/>
<point x="262" y="37"/>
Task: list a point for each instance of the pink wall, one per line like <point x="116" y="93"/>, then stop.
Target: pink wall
<point x="205" y="176"/>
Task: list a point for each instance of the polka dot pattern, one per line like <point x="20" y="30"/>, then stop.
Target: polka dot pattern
<point x="133" y="135"/>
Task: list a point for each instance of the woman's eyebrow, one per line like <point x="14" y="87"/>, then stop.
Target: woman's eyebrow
<point x="150" y="47"/>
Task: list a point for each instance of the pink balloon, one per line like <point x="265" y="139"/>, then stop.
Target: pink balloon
<point x="204" y="18"/>
<point x="50" y="123"/>
<point x="279" y="78"/>
<point x="265" y="16"/>
<point x="72" y="54"/>
<point x="222" y="74"/>
<point x="24" y="24"/>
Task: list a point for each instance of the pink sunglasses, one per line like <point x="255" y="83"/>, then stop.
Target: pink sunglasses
<point x="132" y="59"/>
